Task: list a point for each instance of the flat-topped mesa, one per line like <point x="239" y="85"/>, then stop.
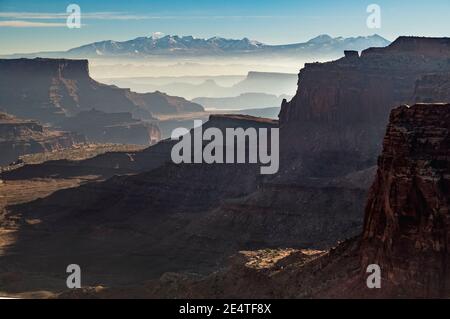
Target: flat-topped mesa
<point x="336" y="122"/>
<point x="51" y="89"/>
<point x="45" y="67"/>
<point x="414" y="45"/>
<point x="407" y="226"/>
<point x="351" y="54"/>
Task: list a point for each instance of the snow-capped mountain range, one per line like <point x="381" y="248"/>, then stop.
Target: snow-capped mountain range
<point x="190" y="46"/>
<point x="167" y="45"/>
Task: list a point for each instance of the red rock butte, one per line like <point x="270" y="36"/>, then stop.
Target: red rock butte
<point x="407" y="225"/>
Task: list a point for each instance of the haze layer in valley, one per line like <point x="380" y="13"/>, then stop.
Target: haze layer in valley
<point x="246" y="70"/>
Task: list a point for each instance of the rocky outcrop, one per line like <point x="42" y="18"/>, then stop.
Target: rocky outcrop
<point x="431" y="47"/>
<point x="336" y="121"/>
<point x="50" y="89"/>
<point x="120" y="128"/>
<point x="20" y="137"/>
<point x="408" y="212"/>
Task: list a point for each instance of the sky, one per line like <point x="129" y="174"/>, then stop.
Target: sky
<point x="40" y="25"/>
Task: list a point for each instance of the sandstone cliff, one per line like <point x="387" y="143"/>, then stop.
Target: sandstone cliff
<point x="49" y="89"/>
<point x="56" y="91"/>
<point x="408" y="212"/>
<point x="406" y="233"/>
<point x="336" y="121"/>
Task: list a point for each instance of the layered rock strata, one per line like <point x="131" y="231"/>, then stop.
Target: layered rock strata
<point x="19" y="137"/>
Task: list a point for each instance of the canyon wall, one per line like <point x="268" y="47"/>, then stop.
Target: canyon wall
<point x="336" y="122"/>
<point x="56" y="91"/>
<point x="407" y="227"/>
<point x="49" y="89"/>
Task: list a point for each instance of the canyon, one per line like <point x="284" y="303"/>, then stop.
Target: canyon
<point x="336" y="122"/>
<point x="59" y="92"/>
<point x="405" y="233"/>
<point x="407" y="214"/>
<point x="177" y="225"/>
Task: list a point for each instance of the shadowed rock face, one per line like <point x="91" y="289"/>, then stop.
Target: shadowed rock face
<point x="19" y="137"/>
<point x="335" y="123"/>
<point x="186" y="218"/>
<point x="408" y="212"/>
<point x="50" y="89"/>
<point x="56" y="91"/>
<point x="406" y="232"/>
<point x="150" y="222"/>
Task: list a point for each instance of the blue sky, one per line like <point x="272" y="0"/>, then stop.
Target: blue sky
<point x="30" y="26"/>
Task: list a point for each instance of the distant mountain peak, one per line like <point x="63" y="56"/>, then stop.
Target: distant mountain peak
<point x="175" y="45"/>
<point x="321" y="39"/>
<point x="376" y="35"/>
<point x="325" y="38"/>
